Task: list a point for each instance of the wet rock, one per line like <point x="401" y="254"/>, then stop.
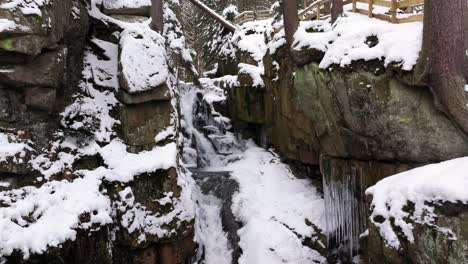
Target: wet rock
<point x="430" y="245"/>
<point x="40" y="98"/>
<point x="160" y="93"/>
<point x="46" y="70"/>
<point x="288" y="128"/>
<point x="367" y="113"/>
<point x="34" y="33"/>
<point x="142" y="122"/>
<point x="249" y="104"/>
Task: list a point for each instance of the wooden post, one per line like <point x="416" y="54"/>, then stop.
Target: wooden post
<point x="354" y="6"/>
<point x="318" y="11"/>
<point x="393" y="11"/>
<point x="371" y="7"/>
<point x="156" y="13"/>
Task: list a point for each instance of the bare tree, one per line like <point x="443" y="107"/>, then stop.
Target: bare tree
<point x="336" y="9"/>
<point x="442" y="62"/>
<point x="157" y="15"/>
<point x="291" y="19"/>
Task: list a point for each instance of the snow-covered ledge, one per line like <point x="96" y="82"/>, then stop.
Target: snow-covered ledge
<point x="423" y="207"/>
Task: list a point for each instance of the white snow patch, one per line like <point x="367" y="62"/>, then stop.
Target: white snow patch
<point x="143" y="58"/>
<point x="255" y="72"/>
<point x="10" y="148"/>
<point x="345" y="42"/>
<point x="117" y="4"/>
<point x="27" y="7"/>
<point x="271" y="204"/>
<point x="38" y="218"/>
<point x="435" y="183"/>
<point x="125" y="165"/>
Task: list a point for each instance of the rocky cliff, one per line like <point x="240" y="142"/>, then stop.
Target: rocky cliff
<point x="358" y="121"/>
<point x="90" y="168"/>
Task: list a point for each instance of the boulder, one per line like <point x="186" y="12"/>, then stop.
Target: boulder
<point x="47" y="70"/>
<point x="142" y="122"/>
<point x="160" y="93"/>
<point x="249" y="104"/>
<point x="430" y="245"/>
<point x="366" y="112"/>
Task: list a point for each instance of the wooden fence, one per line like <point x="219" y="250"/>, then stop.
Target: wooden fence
<point x="320" y="9"/>
<point x="248" y="16"/>
<point x="405" y="6"/>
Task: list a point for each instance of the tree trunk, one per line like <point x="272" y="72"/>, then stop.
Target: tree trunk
<point x="291" y="20"/>
<point x="442" y="64"/>
<point x="157" y="15"/>
<point x="226" y="24"/>
<point x="336" y="9"/>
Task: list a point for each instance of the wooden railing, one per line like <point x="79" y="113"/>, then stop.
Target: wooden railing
<point x="317" y="9"/>
<point x="406" y="6"/>
<point x="248" y="16"/>
<point x="320" y="9"/>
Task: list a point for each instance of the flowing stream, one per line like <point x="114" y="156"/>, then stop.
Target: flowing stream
<point x="250" y="207"/>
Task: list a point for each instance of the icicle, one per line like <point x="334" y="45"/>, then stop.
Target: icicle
<point x="345" y="210"/>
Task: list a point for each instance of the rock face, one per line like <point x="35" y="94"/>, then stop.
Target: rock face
<point x="430" y="245"/>
<point x="370" y="114"/>
<point x="359" y="125"/>
<point x="40" y="66"/>
<point x="272" y="113"/>
<point x="50" y="98"/>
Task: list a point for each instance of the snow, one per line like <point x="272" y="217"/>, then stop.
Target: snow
<point x="271" y="202"/>
<point x="8" y="25"/>
<point x="27" y="7"/>
<point x="431" y="184"/>
<point x="103" y="72"/>
<point x="255" y="72"/>
<point x="50" y="214"/>
<point x="345" y="42"/>
<point x="277" y="211"/>
<point x="251" y="38"/>
<point x="228" y="81"/>
<point x="143" y="59"/>
<point x="125" y="165"/>
<point x="10" y="149"/>
<point x="117" y="4"/>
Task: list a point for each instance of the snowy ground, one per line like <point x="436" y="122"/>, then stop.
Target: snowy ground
<point x="277" y="211"/>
